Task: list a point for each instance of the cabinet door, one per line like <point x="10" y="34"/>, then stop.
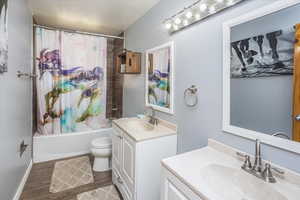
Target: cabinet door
<point x="133" y="62"/>
<point x="128" y="162"/>
<point x="172" y="193"/>
<point x="117" y="150"/>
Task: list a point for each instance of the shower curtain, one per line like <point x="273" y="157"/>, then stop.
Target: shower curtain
<point x="71" y="82"/>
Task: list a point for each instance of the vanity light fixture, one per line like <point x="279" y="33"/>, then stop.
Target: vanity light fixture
<point x="203" y="7"/>
<point x="185" y="22"/>
<point x="175" y="27"/>
<point x="199" y="10"/>
<point x="189" y="14"/>
<point x="177" y="20"/>
<point x="197" y="16"/>
<point x="230" y="2"/>
<point x="212" y="9"/>
<point x="168" y="25"/>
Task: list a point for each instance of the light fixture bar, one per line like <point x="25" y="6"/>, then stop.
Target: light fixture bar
<point x="196" y="12"/>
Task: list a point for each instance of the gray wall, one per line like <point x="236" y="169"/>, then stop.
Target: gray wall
<point x="262" y="104"/>
<point x="254" y="100"/>
<point x="198" y="60"/>
<point x="15" y="100"/>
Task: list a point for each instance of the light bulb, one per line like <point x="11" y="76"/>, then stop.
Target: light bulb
<point x="177" y="20"/>
<point x="189" y="14"/>
<point x="185" y="22"/>
<point x="230" y="2"/>
<point x="175" y="27"/>
<point x="203" y="7"/>
<point x="168" y="25"/>
<point x="212" y="9"/>
<point x="197" y="16"/>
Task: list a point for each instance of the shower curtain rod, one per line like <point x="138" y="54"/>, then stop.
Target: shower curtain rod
<point x="80" y="32"/>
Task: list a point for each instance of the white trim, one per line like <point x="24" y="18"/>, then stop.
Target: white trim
<point x="50" y="157"/>
<point x="23" y="181"/>
<point x="73" y="134"/>
<point x="246" y="133"/>
<point x="172" y="76"/>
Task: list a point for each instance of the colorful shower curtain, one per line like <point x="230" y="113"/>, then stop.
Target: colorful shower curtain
<point x="71" y="83"/>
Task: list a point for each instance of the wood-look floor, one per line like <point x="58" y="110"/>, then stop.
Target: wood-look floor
<point x="38" y="184"/>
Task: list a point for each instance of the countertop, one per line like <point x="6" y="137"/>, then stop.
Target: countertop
<point x="189" y="168"/>
<point x="137" y="129"/>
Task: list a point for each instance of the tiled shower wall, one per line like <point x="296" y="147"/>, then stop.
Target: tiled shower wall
<point x="114" y="80"/>
<point x="118" y="82"/>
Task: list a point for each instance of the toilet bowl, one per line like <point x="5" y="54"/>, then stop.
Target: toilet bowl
<point x="101" y="150"/>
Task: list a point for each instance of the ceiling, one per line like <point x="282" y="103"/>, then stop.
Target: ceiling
<point x="99" y="16"/>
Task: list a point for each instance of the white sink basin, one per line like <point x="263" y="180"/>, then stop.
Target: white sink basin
<point x="232" y="183"/>
<point x="140" y="125"/>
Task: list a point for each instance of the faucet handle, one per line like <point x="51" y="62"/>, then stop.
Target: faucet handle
<point x="241" y="154"/>
<point x="267" y="174"/>
<point x="247" y="163"/>
<point x="277" y="170"/>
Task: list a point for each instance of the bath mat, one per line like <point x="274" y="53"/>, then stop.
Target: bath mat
<point x="71" y="173"/>
<point x="104" y="193"/>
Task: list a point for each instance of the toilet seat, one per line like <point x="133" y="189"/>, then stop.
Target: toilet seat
<point x="102" y="143"/>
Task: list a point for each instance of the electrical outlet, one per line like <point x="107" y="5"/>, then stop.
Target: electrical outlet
<point x="23" y="148"/>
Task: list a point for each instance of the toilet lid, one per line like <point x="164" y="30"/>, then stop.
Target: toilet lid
<point x="103" y="142"/>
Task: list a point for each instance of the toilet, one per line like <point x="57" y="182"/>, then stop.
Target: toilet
<point x="101" y="150"/>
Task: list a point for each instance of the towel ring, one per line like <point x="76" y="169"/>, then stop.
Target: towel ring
<point x="191" y="92"/>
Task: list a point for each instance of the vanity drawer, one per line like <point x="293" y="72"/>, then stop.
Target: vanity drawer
<point x="117" y="180"/>
<point x="174" y="189"/>
<point x="128" y="162"/>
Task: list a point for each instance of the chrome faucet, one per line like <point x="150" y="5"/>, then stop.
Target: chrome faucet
<point x="153" y="120"/>
<point x="257" y="169"/>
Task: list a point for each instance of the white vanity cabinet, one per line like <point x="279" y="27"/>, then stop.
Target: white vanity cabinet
<point x="173" y="189"/>
<point x="123" y="155"/>
<point x="136" y="164"/>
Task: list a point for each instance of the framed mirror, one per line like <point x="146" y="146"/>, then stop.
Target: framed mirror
<point x="160" y="78"/>
<point x="261" y="75"/>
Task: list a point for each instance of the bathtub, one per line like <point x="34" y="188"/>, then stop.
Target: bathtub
<point x="52" y="147"/>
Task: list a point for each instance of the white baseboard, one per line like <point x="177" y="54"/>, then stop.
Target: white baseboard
<point x="23" y="181"/>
